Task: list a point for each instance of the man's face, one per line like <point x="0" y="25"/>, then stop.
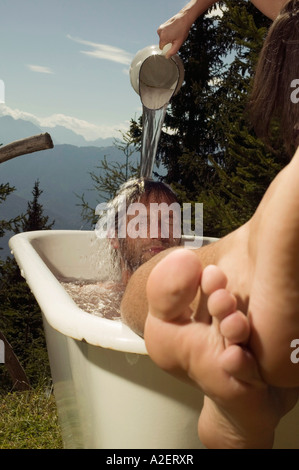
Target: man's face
<point x="149" y="231"/>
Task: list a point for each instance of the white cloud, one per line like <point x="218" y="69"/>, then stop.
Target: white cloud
<point x="86" y="129"/>
<point x="39" y="68"/>
<point x="105" y="52"/>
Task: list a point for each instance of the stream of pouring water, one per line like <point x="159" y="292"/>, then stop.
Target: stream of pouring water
<point x="156" y="79"/>
<point x="152" y="125"/>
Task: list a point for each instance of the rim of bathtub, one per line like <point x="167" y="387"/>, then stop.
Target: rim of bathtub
<point x="75" y="322"/>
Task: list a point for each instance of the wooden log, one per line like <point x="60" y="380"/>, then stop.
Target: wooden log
<point x="24" y="146"/>
<point x="16" y="371"/>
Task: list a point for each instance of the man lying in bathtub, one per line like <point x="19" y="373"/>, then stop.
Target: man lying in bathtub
<point x="144" y="221"/>
<point x="137" y="225"/>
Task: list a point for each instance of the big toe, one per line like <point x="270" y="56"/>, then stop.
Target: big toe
<point x="173" y="285"/>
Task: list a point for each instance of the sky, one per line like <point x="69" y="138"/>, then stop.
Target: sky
<point x="66" y="62"/>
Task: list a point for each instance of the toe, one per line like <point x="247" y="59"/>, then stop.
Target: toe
<point x="235" y="328"/>
<point x="221" y="303"/>
<point x="213" y="278"/>
<point x="173" y="284"/>
<point x="240" y="364"/>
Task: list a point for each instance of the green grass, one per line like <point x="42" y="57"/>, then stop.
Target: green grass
<point x="28" y="420"/>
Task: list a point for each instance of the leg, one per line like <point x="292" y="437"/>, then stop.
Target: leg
<point x="178" y="344"/>
<point x="261" y="261"/>
<point x="273" y="307"/>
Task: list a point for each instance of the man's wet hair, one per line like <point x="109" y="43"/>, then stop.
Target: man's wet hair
<point x="136" y="189"/>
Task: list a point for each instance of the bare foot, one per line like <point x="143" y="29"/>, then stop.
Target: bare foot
<point x="273" y="308"/>
<point x="239" y="411"/>
<point x="261" y="262"/>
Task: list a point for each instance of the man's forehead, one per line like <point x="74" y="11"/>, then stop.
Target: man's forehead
<point x="151" y="207"/>
<point x="155" y="197"/>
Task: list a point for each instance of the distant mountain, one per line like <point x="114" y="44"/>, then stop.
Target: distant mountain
<point x="64" y="174"/>
<point x="15" y="129"/>
<point x="62" y="171"/>
<point x="62" y="135"/>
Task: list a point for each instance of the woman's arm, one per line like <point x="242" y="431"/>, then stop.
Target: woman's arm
<point x="270" y="8"/>
<point x="176" y="29"/>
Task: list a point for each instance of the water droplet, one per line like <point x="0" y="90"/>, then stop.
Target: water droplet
<point x="132" y="358"/>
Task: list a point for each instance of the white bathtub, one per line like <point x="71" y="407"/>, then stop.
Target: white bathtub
<point x="109" y="393"/>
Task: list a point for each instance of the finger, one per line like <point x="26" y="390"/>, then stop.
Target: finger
<point x="176" y="44"/>
<point x="164" y="42"/>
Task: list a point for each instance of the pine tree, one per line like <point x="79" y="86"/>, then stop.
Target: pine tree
<point x="211" y="154"/>
<point x="6" y="225"/>
<point x="20" y="319"/>
<point x="248" y="165"/>
<point x="21" y="323"/>
<point x="15" y="368"/>
<point x="34" y="218"/>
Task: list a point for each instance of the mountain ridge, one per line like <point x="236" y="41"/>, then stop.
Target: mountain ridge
<point x="63" y="173"/>
<point x="12" y="129"/>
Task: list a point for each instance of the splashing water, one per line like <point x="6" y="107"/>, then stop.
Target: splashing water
<point x="97" y="298"/>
